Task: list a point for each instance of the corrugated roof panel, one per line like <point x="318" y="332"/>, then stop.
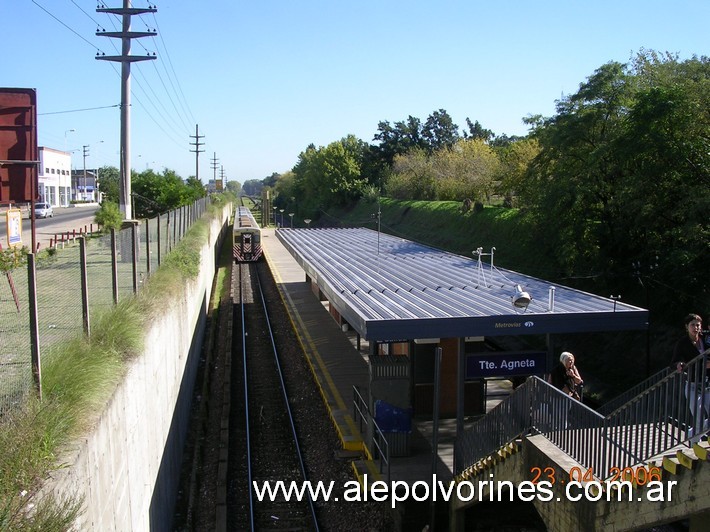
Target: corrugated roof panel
<point x="387" y="285"/>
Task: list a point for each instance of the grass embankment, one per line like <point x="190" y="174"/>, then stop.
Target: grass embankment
<point x="444" y="225"/>
<point x="78" y="378"/>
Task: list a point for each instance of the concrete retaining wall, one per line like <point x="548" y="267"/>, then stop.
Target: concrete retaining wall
<point x="128" y="468"/>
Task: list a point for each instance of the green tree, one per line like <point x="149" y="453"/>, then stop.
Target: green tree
<point x="439" y="131"/>
<point x="622" y="178"/>
<point x="413" y="176"/>
<point x="398" y="139"/>
<point x="156" y="193"/>
<point x="234" y="186"/>
<point x="330" y="175"/>
<point x="477" y="131"/>
<point x="463" y="171"/>
<point x="515" y="157"/>
<point x="109" y="178"/>
<point x="573" y="179"/>
<point x="665" y="198"/>
<point x="195" y="189"/>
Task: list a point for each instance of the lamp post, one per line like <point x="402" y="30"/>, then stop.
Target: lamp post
<point x="291" y="215"/>
<point x="275" y="209"/>
<point x="282" y="217"/>
<point x="308" y="222"/>
<point x="85" y="153"/>
<point x="65" y="137"/>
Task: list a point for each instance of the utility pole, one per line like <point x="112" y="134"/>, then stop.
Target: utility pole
<point x="85" y="149"/>
<point x="126" y="59"/>
<point x="214" y="168"/>
<point x="222" y="176"/>
<point x="197" y="149"/>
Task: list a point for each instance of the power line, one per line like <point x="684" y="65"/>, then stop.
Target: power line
<point x="172" y="119"/>
<point x="171" y="123"/>
<point x="85" y="13"/>
<point x="172" y="68"/>
<point x="66" y="26"/>
<point x="78" y="110"/>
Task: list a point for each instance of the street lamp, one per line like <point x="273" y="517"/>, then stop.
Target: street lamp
<point x="291" y="215"/>
<point x="308" y="222"/>
<point x="275" y="209"/>
<point x="65" y="137"/>
<point x="282" y="217"/>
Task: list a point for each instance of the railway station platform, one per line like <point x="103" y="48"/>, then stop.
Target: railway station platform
<point x="339" y="359"/>
<point x="339" y="363"/>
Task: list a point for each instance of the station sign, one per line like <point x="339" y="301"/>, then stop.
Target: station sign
<point x="505" y="364"/>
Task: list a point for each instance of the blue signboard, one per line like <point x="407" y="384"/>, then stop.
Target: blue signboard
<point x="505" y="364"/>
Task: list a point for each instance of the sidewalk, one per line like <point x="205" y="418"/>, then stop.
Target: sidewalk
<point x="48" y="229"/>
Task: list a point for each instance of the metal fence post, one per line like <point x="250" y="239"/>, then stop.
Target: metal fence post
<point x="84" y="286"/>
<point x="134" y="257"/>
<point x="34" y="326"/>
<point x="147" y="247"/>
<point x="158" y="238"/>
<point x="181" y="223"/>
<point x="114" y="266"/>
<point x="175" y="225"/>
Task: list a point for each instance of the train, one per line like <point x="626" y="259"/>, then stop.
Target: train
<point x="246" y="236"/>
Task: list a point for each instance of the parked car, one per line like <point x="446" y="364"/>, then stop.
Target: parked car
<point x="43" y="210"/>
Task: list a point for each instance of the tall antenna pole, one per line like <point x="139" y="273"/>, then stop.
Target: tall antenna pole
<point x="197" y="149"/>
<point x="126" y="59"/>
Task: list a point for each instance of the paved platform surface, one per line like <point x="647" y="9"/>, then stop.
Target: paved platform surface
<point x="339" y="365"/>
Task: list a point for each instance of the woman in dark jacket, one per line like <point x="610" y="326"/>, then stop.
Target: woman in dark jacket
<point x="566" y="377"/>
<point x="697" y="393"/>
<point x="691" y="344"/>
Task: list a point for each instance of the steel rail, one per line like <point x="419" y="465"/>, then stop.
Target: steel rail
<point x="246" y="403"/>
<point x="284" y="394"/>
<point x="287" y="403"/>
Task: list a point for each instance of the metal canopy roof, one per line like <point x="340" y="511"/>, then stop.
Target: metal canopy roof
<point x="391" y="289"/>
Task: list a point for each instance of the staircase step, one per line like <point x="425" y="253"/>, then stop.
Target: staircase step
<point x="686" y="458"/>
<point x="671" y="464"/>
<point x="702" y="449"/>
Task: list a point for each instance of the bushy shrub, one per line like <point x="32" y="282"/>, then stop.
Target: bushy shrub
<point x="109" y="216"/>
<point x="370" y="193"/>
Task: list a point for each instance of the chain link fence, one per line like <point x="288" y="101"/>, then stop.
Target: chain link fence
<point x="111" y="267"/>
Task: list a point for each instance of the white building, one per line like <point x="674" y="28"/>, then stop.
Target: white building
<point x="54" y="177"/>
<point x="86" y="185"/>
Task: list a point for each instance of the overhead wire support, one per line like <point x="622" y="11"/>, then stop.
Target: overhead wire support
<point x="197" y="149"/>
<point x="214" y="164"/>
<point x="126" y="35"/>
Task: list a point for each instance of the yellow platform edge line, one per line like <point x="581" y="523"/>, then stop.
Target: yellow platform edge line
<point x="351" y="438"/>
<point x="372" y="472"/>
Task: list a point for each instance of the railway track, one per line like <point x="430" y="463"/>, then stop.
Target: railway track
<point x="263" y="441"/>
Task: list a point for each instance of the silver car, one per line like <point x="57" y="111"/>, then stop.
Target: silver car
<point x="43" y="210"/>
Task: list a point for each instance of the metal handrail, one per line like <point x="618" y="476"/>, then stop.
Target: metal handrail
<point x="378" y="438"/>
<point x="629" y="394"/>
<point x="667" y="414"/>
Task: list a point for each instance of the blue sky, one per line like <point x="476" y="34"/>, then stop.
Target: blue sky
<point x="264" y="79"/>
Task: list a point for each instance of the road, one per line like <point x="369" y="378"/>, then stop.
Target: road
<point x="65" y="219"/>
